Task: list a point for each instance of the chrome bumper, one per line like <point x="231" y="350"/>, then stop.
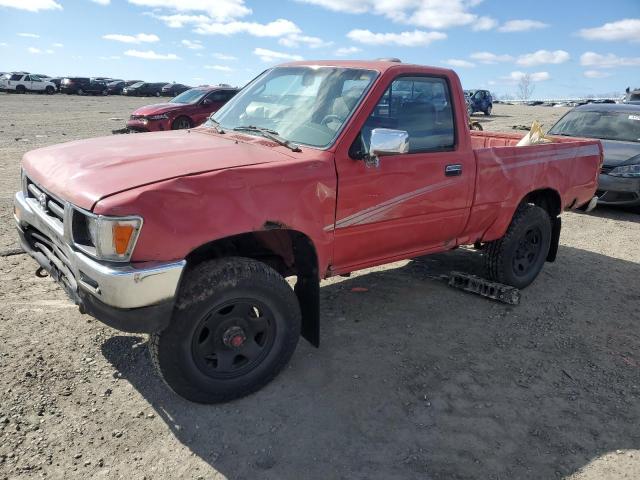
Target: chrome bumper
<point x="121" y="286"/>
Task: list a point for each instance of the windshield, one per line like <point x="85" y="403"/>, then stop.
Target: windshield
<point x="190" y="96"/>
<point x="137" y="84"/>
<point x="605" y="125"/>
<point x="305" y="105"/>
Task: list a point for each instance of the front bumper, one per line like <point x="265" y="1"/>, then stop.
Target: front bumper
<point x="133" y="297"/>
<point x="618" y="190"/>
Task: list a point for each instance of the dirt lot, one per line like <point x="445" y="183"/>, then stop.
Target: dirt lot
<point x="413" y="379"/>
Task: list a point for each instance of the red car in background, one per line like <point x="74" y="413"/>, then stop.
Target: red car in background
<point x="187" y="110"/>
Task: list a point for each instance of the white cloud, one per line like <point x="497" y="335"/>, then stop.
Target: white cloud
<point x="515" y="77"/>
<point x="223" y="56"/>
<point x="31" y="5"/>
<point x="483" y="24"/>
<point x="295" y="39"/>
<point x="58" y="45"/>
<point x="4" y="44"/>
<point x="102" y="2"/>
<point x="179" y="20"/>
<point x="522" y="26"/>
<point x="596" y="74"/>
<point x="29" y="35"/>
<point x="193" y="44"/>
<point x="277" y="28"/>
<point x="219" y="10"/>
<point x="38" y="51"/>
<point x="626" y="29"/>
<point x="543" y="56"/>
<point x="271" y="56"/>
<point x="436" y="14"/>
<point x="151" y="55"/>
<point x="347" y="51"/>
<point x="455" y="62"/>
<point x="610" y="60"/>
<point x="406" y="39"/>
<point x="220" y="68"/>
<point x="138" y="38"/>
<point x="490" y="58"/>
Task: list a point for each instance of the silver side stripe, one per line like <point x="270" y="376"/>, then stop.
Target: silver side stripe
<point x="375" y="212"/>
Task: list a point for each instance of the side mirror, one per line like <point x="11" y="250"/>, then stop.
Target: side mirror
<point x="386" y="141"/>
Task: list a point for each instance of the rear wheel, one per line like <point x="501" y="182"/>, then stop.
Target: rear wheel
<point x="157" y="94"/>
<point x="181" y="123"/>
<point x="235" y="326"/>
<point x="517" y="258"/>
<point x="80" y="91"/>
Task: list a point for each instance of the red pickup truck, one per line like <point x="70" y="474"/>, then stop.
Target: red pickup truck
<point x="314" y="169"/>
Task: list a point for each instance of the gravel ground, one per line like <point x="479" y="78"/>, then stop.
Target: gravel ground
<point x="413" y="379"/>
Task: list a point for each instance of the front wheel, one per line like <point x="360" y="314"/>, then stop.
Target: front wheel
<point x="235" y="326"/>
<point x="181" y="123"/>
<point x="517" y="258"/>
<point x="487" y="112"/>
<point x="49" y="90"/>
<point x="21" y="89"/>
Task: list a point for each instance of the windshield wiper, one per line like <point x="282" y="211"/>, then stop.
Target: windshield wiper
<point x="270" y="134"/>
<point x="216" y="126"/>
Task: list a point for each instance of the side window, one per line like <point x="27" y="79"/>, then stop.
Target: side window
<point x="35" y="78"/>
<point x="421" y="106"/>
<point x="217" y="96"/>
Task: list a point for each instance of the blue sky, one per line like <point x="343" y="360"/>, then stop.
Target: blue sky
<point x="569" y="47"/>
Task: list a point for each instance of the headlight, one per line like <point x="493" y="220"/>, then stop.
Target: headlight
<point x="626" y="171"/>
<point x="106" y="238"/>
<point x="162" y="116"/>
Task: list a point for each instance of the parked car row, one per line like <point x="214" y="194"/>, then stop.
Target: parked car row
<point x="23" y="82"/>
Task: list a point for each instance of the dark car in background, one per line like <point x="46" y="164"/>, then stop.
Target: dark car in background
<point x="189" y="109"/>
<point x="617" y="126"/>
<point x="56" y="81"/>
<point x="144" y="89"/>
<point x="70" y="85"/>
<point x="173" y="89"/>
<point x="116" y="87"/>
<point x="632" y="96"/>
<point x="479" y="101"/>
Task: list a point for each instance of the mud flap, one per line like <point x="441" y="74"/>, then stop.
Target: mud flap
<point x="308" y="292"/>
<point x="556" y="226"/>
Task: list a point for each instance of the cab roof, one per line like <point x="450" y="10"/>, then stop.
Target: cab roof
<point x="377" y="65"/>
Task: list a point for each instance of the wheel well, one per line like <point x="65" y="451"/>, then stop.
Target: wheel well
<point x="547" y="199"/>
<point x="287" y="251"/>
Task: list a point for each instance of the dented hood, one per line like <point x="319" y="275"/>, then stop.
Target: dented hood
<point x="85" y="171"/>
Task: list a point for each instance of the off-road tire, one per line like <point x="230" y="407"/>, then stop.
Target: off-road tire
<point x="212" y="284"/>
<point x="181" y="123"/>
<point x="500" y="254"/>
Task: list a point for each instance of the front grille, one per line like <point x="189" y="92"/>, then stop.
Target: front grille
<point x="606" y="169"/>
<point x="136" y="117"/>
<point x="51" y="206"/>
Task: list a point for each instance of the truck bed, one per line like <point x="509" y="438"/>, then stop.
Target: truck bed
<point x="568" y="166"/>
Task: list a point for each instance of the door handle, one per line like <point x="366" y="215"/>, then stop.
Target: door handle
<point x="453" y="170"/>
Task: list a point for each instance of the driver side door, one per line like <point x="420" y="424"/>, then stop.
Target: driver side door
<point x="410" y="203"/>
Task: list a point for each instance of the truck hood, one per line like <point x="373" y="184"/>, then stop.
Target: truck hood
<point x="158" y="108"/>
<point x="618" y="153"/>
<point x="85" y="171"/>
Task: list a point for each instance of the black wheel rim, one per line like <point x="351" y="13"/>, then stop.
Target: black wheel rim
<point x="183" y="123"/>
<point x="528" y="252"/>
<point x="233" y="338"/>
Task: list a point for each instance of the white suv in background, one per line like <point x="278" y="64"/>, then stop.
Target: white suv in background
<point x="25" y="82"/>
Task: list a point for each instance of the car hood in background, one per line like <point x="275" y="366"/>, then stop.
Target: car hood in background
<point x="85" y="171"/>
<point x="618" y="153"/>
<point x="157" y="108"/>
